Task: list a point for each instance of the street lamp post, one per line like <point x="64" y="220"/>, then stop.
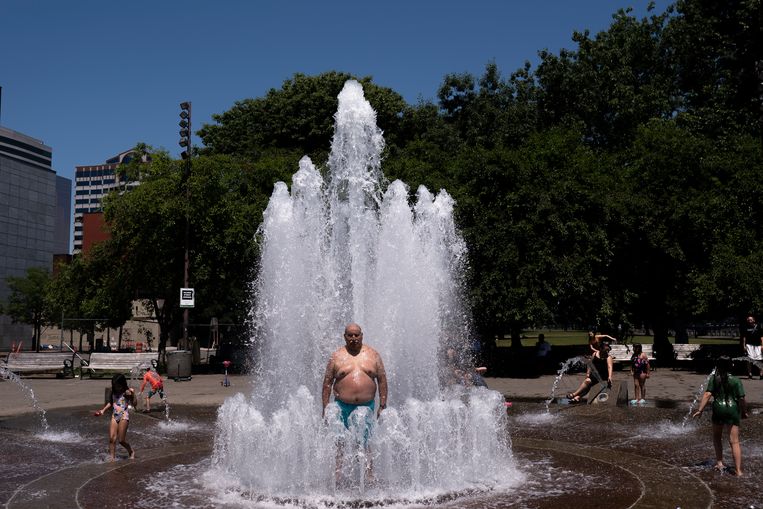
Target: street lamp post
<point x="185" y="142"/>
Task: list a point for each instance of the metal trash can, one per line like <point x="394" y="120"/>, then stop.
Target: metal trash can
<point x="179" y="365"/>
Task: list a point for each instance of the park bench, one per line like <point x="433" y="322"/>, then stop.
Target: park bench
<point x="622" y="353"/>
<point x="111" y="362"/>
<point x="684" y="352"/>
<point x="27" y="363"/>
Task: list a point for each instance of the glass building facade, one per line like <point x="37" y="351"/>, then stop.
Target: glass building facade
<point x="34" y="224"/>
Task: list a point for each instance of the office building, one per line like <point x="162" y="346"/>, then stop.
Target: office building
<point x="34" y="217"/>
<point x="92" y="184"/>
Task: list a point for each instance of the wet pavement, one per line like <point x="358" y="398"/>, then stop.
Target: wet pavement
<point x="600" y="456"/>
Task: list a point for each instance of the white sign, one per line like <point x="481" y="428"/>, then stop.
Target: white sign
<point x="186" y="297"/>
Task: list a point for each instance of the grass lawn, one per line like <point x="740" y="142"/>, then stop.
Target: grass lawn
<point x="580" y="337"/>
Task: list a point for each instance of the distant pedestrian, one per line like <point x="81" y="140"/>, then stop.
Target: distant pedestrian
<point x="157" y="386"/>
<point x="751" y="345"/>
<point x="122" y="397"/>
<point x="542" y="353"/>
<point x="729" y="407"/>
<point x="640" y="370"/>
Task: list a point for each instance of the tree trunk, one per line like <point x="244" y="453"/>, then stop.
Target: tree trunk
<point x="36" y="337"/>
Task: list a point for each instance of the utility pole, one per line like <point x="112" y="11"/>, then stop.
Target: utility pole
<point x="185" y="142"/>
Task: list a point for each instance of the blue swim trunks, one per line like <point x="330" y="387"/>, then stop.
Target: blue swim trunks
<point x="347" y="409"/>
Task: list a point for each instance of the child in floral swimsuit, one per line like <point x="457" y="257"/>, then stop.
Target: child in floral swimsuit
<point x="121" y="398"/>
<point x="640" y="370"/>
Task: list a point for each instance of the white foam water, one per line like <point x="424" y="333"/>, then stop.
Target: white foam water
<point x="60" y="436"/>
<point x="176" y="426"/>
<point x="348" y="250"/>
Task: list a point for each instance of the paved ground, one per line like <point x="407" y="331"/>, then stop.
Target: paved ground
<point x="206" y="390"/>
<point x="558" y="450"/>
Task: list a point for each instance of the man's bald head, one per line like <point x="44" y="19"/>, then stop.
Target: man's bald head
<point x="353" y="328"/>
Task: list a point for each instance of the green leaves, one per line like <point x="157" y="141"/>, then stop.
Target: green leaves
<point x="26" y="301"/>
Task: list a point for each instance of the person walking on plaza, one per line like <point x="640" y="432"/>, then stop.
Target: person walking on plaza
<point x="640" y="370"/>
<point x="157" y="386"/>
<point x="751" y="345"/>
<point x="122" y="397"/>
<point x="729" y="407"/>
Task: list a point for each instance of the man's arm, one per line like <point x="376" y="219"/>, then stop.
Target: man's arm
<point x="381" y="379"/>
<point x="328" y="383"/>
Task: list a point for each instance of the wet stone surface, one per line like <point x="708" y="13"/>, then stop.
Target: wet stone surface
<point x="598" y="456"/>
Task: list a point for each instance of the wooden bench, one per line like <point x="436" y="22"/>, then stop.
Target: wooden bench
<point x="623" y="353"/>
<point x="684" y="352"/>
<point x="111" y="362"/>
<point x="23" y="363"/>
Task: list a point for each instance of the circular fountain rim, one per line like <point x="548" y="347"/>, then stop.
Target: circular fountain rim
<point x="68" y="483"/>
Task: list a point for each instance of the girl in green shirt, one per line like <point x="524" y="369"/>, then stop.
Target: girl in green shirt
<point x="728" y="409"/>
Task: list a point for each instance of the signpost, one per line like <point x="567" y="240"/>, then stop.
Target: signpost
<point x="187" y="298"/>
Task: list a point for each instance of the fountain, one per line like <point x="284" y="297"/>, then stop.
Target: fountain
<point x="353" y="249"/>
<point x="29" y="393"/>
<point x="349" y="250"/>
<point x="565" y="367"/>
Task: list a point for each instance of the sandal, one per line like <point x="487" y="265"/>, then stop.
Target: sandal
<point x="569" y="395"/>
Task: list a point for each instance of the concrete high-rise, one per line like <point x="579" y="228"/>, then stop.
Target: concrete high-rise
<point x="92" y="184"/>
<point x="34" y="217"/>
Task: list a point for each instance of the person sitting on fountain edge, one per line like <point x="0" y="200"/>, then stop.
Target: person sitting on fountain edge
<point x="354" y="371"/>
<point x="600" y="370"/>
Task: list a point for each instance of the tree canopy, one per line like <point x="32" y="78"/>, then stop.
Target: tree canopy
<point x="617" y="182"/>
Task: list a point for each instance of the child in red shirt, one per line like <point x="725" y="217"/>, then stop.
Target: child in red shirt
<point x="157" y="385"/>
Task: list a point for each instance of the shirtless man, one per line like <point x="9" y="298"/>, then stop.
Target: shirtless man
<point x="354" y="371"/>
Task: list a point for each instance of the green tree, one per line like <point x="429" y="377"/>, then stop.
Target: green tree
<point x="90" y="292"/>
<point x="536" y="229"/>
<point x="731" y="287"/>
<point x="490" y="111"/>
<point x="299" y="115"/>
<point x="26" y="302"/>
<point x="612" y="82"/>
<point x="664" y="234"/>
<point x="227" y="197"/>
<point x="713" y="50"/>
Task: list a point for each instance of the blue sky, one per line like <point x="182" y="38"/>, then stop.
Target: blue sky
<point x="92" y="78"/>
